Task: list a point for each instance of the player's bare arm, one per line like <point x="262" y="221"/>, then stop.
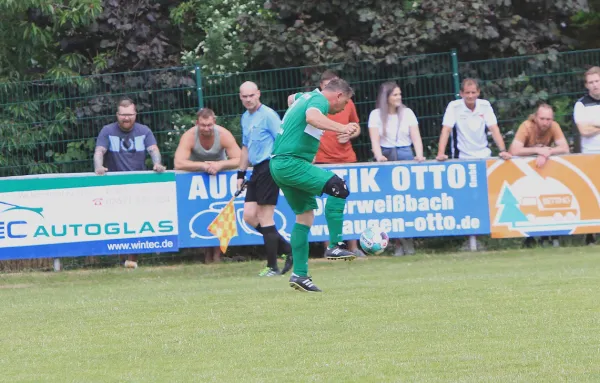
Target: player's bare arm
<point x="156" y="159"/>
<point x="444" y="136"/>
<point x="317" y="119"/>
<point x="588" y="130"/>
<point x="99" y="160"/>
<point x="499" y="140"/>
<point x="291" y="98"/>
<point x="183" y="152"/>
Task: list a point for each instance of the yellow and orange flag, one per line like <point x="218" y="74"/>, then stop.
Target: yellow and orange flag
<point x="224" y="226"/>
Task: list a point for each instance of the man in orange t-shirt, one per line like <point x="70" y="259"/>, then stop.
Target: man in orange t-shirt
<point x="336" y="148"/>
<point x="540" y="136"/>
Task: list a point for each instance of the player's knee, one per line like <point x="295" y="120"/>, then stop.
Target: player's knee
<point x="336" y="187"/>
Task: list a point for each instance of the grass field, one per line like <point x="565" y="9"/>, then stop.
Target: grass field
<point x="518" y="316"/>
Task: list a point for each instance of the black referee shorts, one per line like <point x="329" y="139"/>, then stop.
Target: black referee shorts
<point x="261" y="188"/>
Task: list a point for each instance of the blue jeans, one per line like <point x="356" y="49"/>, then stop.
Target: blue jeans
<point x="402" y="153"/>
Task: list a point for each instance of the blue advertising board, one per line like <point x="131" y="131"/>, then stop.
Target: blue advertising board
<point x="404" y="199"/>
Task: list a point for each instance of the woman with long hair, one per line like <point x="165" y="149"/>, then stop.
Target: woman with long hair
<point x="394" y="131"/>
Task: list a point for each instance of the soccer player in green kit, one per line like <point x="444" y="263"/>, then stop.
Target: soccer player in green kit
<point x="291" y="167"/>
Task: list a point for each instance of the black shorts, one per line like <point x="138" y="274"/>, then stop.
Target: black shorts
<point x="261" y="188"/>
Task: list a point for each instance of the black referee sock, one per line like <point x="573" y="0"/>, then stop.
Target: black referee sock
<point x="271" y="238"/>
<point x="284" y="246"/>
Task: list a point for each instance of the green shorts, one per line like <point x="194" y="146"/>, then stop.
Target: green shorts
<point x="300" y="181"/>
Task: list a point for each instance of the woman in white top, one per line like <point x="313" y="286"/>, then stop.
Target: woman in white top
<point x="393" y="128"/>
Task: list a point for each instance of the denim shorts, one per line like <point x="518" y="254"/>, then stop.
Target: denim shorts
<point x="402" y="153"/>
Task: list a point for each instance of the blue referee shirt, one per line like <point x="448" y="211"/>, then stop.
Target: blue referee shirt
<point x="259" y="130"/>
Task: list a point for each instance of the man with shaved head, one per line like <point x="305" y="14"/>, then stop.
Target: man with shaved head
<point x="260" y="126"/>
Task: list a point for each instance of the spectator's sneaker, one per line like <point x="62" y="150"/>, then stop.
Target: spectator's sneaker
<point x="268" y="272"/>
<point x="398" y="251"/>
<point x="408" y="245"/>
<point x="359" y="253"/>
<point x="289" y="263"/>
<point x="303" y="284"/>
<point x="340" y="252"/>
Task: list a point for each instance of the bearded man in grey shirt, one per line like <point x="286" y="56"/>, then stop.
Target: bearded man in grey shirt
<point x="122" y="145"/>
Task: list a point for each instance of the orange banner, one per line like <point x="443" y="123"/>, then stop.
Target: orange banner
<point x="561" y="198"/>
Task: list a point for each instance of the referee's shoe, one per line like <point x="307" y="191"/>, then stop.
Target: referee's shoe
<point x="340" y="251"/>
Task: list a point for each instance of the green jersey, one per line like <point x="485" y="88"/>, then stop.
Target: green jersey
<point x="297" y="137"/>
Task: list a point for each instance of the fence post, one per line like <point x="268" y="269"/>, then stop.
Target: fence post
<point x="455" y="75"/>
<point x="199" y="87"/>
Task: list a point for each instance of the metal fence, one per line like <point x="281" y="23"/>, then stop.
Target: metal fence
<point x="50" y="125"/>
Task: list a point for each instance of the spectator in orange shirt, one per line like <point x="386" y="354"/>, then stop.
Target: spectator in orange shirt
<point x="336" y="148"/>
<point x="540" y="136"/>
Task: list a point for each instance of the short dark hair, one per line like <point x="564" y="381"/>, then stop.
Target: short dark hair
<point x="469" y="81"/>
<point x="328" y="75"/>
<point x="339" y="85"/>
<point x="125" y="102"/>
<point x="205" y="113"/>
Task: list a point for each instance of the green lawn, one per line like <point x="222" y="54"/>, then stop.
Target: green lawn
<point x="518" y="316"/>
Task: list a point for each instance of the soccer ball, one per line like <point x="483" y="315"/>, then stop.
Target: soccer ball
<point x="374" y="240"/>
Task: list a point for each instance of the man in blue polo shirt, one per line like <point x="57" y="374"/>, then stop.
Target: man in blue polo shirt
<point x="260" y="125"/>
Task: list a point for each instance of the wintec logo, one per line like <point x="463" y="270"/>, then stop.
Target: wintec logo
<point x="21" y="229"/>
<point x="15" y="229"/>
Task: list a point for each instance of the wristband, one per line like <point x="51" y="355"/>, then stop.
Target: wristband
<point x="241" y="174"/>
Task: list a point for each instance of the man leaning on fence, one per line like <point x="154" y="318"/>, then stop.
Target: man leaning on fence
<point x="207" y="147"/>
<point x="121" y="147"/>
<point x="587" y="118"/>
<point x="542" y="137"/>
<point x="466" y="122"/>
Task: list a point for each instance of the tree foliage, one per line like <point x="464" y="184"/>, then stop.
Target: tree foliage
<point x="50" y="115"/>
<point x="50" y="122"/>
<point x="210" y="33"/>
<point x="309" y="32"/>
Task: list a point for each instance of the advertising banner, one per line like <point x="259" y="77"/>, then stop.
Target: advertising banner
<point x="561" y="198"/>
<point x="404" y="199"/>
<point x="79" y="215"/>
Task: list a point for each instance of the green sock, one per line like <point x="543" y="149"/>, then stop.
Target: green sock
<point x="334" y="213"/>
<point x="299" y="242"/>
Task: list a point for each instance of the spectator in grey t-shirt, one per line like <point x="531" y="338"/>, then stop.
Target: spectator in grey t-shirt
<point x="122" y="145"/>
